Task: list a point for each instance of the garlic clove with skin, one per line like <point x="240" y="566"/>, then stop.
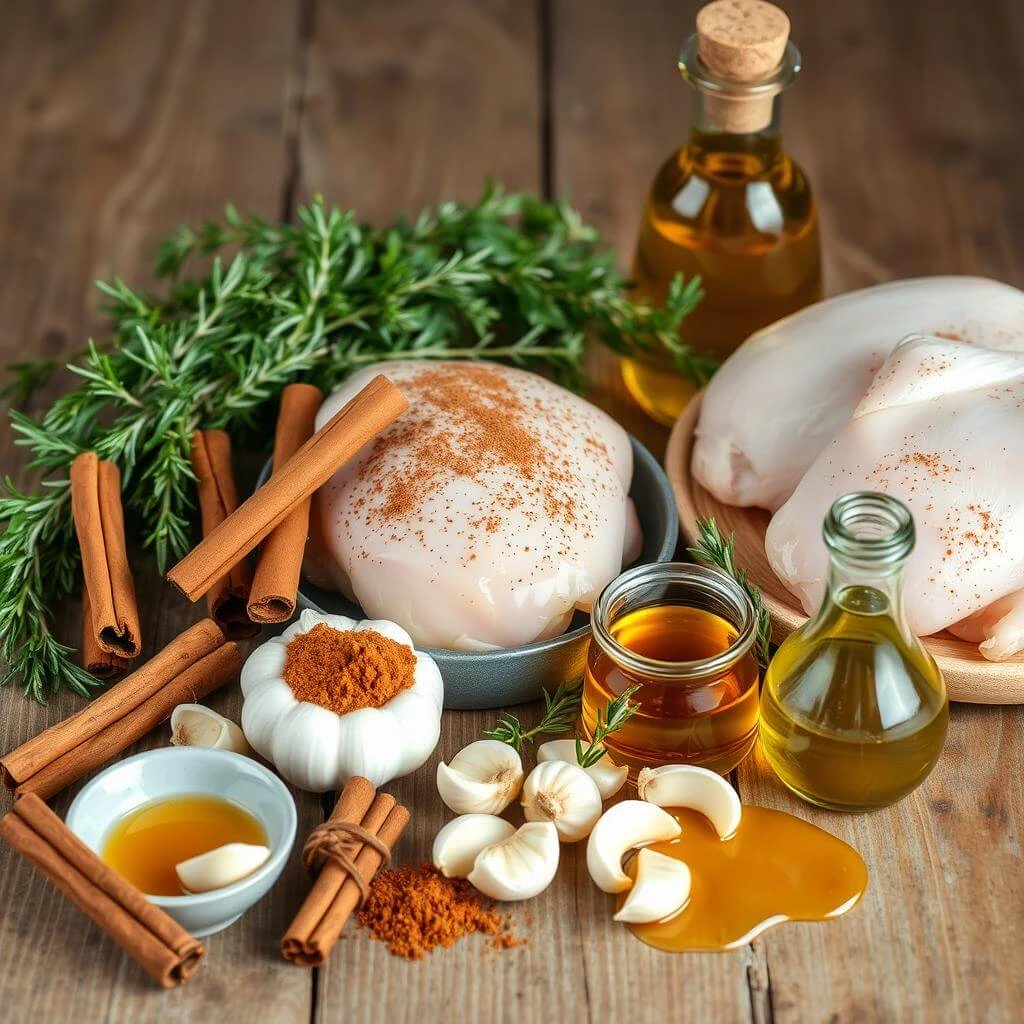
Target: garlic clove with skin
<point x="660" y="890"/>
<point x="220" y="867"/>
<point x="565" y="795"/>
<point x="686" y="785"/>
<point x="520" y="867"/>
<point x="621" y="828"/>
<point x="193" y="725"/>
<point x="483" y="778"/>
<point x="608" y="776"/>
<point x="460" y="842"/>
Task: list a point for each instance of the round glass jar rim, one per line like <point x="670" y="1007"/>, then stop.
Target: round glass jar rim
<point x="699" y="578"/>
<point x="869" y="528"/>
<point x="700" y="76"/>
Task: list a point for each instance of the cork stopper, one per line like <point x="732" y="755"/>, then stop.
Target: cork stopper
<point x="741" y="41"/>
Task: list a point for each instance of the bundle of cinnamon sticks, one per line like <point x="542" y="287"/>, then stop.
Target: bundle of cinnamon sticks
<point x="337" y="892"/>
<point x="159" y="944"/>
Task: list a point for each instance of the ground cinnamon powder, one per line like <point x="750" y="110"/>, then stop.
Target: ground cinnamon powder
<point x="415" y="910"/>
<point x="347" y="670"/>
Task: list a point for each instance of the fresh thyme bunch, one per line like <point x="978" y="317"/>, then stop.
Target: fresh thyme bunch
<point x="251" y="306"/>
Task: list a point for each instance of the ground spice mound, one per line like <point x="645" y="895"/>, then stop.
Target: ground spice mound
<point x="415" y="910"/>
<point x="344" y="670"/>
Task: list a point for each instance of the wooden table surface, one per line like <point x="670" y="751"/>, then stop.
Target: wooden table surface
<point x="120" y="120"/>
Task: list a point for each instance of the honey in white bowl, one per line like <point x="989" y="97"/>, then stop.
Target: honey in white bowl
<point x="146" y="844"/>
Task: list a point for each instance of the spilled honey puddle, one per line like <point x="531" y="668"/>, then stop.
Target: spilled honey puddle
<point x="775" y="868"/>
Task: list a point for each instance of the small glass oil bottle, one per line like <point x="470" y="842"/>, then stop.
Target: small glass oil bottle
<point x="685" y="634"/>
<point x="730" y="206"/>
<point x="854" y="709"/>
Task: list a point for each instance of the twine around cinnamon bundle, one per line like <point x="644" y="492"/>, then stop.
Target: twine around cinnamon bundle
<point x="341" y="841"/>
<point x="350" y="848"/>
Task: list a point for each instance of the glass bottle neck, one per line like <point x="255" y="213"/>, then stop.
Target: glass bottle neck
<point x="865" y="590"/>
<point x="715" y="152"/>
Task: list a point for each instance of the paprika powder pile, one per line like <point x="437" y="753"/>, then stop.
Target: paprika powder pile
<point x="347" y="670"/>
<point x="416" y="909"/>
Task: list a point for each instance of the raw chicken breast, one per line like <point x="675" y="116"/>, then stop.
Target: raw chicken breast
<point x="489" y="511"/>
<point x="940" y="429"/>
<point x="790" y="388"/>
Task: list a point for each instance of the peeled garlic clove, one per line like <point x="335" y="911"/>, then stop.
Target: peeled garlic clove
<point x="220" y="867"/>
<point x="458" y="844"/>
<point x="661" y="889"/>
<point x="483" y="778"/>
<point x="193" y="725"/>
<point x="685" y="785"/>
<point x="608" y="776"/>
<point x="623" y="827"/>
<point x="520" y="867"/>
<point x="565" y="795"/>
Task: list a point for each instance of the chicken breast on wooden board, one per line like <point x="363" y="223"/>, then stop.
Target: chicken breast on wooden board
<point x="488" y="512"/>
<point x="941" y="429"/>
<point x="790" y="388"/>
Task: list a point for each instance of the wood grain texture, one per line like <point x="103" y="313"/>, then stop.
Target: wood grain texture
<point x="120" y="120"/>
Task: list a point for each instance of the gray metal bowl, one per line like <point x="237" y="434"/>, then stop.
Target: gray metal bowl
<point x="474" y="680"/>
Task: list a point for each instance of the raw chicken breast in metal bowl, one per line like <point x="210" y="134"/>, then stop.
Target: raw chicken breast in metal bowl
<point x="495" y="506"/>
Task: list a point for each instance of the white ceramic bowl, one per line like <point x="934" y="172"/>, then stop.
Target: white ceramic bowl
<point x="176" y="771"/>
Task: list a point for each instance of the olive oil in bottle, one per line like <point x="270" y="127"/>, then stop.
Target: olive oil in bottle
<point x="854" y="709"/>
<point x="730" y="206"/>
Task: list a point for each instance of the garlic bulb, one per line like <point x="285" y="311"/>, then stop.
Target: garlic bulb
<point x="610" y="778"/>
<point x="661" y="889"/>
<point x="520" y="867"/>
<point x="458" y="844"/>
<point x="621" y="828"/>
<point x="316" y="749"/>
<point x="565" y="795"/>
<point x="686" y="785"/>
<point x="483" y="778"/>
<point x="222" y="866"/>
<point x="193" y="725"/>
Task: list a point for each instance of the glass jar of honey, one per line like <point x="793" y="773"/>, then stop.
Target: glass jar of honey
<point x="685" y="634"/>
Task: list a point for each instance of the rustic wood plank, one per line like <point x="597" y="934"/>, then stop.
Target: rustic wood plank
<point x="932" y="152"/>
<point x="119" y="122"/>
<point x="408" y="105"/>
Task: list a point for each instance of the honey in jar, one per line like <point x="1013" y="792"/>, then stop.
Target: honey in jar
<point x="731" y="206"/>
<point x="146" y="844"/>
<point x="854" y="710"/>
<point x="683" y="633"/>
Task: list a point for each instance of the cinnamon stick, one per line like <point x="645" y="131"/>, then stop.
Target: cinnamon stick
<point x="102" y="664"/>
<point x="377" y="405"/>
<point x="188" y="669"/>
<point x="154" y="940"/>
<point x="218" y="498"/>
<point x="99" y="524"/>
<point x="276" y="583"/>
<point x="335" y="895"/>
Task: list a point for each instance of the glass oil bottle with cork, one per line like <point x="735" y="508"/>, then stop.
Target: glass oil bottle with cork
<point x="730" y="206"/>
<point x="854" y="709"/>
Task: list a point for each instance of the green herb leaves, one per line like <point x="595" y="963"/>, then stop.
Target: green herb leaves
<point x="609" y="720"/>
<point x="560" y="712"/>
<point x="716" y="551"/>
<point x="251" y="306"/>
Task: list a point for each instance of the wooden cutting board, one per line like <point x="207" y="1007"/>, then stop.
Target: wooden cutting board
<point x="969" y="676"/>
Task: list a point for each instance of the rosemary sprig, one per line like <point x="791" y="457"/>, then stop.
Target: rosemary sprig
<point x="251" y="306"/>
<point x="615" y="714"/>
<point x="560" y="712"/>
<point x="720" y="552"/>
